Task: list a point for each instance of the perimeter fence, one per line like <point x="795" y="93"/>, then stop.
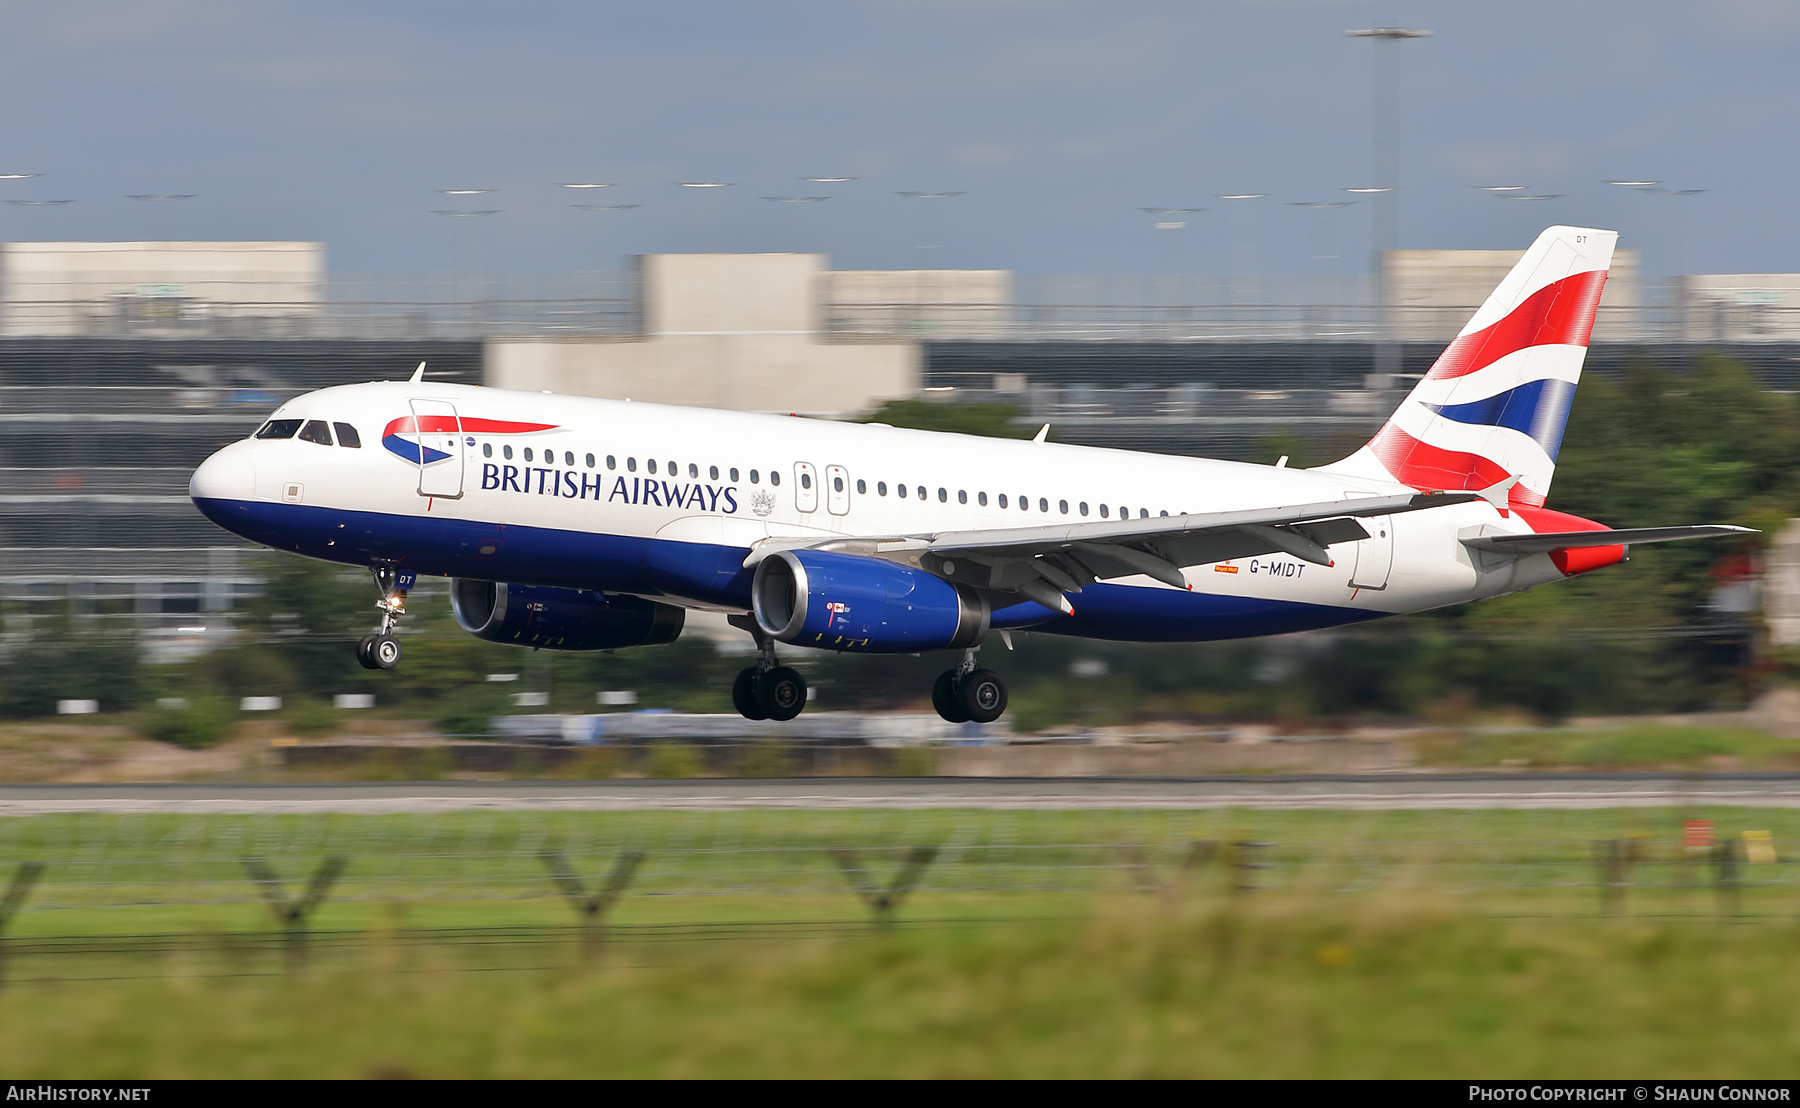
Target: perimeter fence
<point x="120" y="886"/>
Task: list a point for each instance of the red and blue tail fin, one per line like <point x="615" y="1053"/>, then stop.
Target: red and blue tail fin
<point x="1497" y="399"/>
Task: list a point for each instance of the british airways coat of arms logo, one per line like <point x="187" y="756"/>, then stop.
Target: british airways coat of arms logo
<point x="763" y="502"/>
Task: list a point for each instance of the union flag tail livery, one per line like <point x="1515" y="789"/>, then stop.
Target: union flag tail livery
<point x="1497" y="399"/>
<point x="575" y="523"/>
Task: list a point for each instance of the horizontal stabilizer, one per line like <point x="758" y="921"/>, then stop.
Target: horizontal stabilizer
<point x="1543" y="544"/>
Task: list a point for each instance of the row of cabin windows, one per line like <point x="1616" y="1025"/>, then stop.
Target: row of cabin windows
<point x="673" y="469"/>
<point x="981" y="498"/>
<point x="311" y="430"/>
<point x="315" y="431"/>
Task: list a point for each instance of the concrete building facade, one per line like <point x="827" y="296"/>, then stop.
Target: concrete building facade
<point x="742" y="331"/>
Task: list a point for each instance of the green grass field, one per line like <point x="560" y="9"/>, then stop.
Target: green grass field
<point x="1038" y="943"/>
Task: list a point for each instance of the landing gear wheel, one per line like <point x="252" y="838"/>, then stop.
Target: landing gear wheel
<point x="363" y="655"/>
<point x="945" y="700"/>
<point x="384" y="651"/>
<point x="781" y="693"/>
<point x="743" y="695"/>
<point x="981" y="695"/>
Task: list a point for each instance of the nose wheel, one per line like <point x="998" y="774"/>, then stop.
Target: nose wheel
<point x="382" y="650"/>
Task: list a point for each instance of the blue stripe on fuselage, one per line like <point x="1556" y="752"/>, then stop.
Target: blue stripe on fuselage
<point x="715" y="574"/>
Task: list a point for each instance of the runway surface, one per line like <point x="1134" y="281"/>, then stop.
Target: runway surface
<point x="1385" y="791"/>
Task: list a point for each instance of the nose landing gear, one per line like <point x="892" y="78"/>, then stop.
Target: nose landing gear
<point x="382" y="650"/>
<point x="968" y="693"/>
<point x="766" y="690"/>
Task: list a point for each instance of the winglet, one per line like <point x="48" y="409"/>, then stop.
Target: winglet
<point x="1499" y="493"/>
<point x="418" y="375"/>
<point x="1042" y="431"/>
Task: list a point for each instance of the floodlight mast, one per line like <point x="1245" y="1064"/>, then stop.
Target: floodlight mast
<point x="1385" y="159"/>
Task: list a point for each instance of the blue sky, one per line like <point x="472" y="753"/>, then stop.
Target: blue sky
<point x="1057" y="122"/>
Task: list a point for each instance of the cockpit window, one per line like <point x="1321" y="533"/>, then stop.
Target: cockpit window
<point x="316" y="431"/>
<point x="347" y="436"/>
<point x="279" y="429"/>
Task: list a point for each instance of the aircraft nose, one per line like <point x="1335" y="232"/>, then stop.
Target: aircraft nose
<point x="227" y="475"/>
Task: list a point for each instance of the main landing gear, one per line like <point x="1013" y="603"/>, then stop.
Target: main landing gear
<point x="766" y="690"/>
<point x="382" y="650"/>
<point x="969" y="694"/>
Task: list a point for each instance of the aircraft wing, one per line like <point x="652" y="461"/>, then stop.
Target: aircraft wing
<point x="1629" y="536"/>
<point x="1043" y="562"/>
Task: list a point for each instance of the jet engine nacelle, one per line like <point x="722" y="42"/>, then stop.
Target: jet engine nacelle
<point x="561" y="619"/>
<point x="856" y="603"/>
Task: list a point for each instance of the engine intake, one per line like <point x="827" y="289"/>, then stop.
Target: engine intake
<point x="561" y="619"/>
<point x="867" y="605"/>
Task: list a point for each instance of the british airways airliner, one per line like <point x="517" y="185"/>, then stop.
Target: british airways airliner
<point x="572" y="523"/>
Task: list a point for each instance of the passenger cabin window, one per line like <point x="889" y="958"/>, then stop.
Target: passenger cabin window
<point x="506" y="452"/>
<point x="962" y="496"/>
<point x="279" y="429"/>
<point x="712" y="473"/>
<point x="861" y="486"/>
<point x="755" y="477"/>
<point x="347" y="436"/>
<point x="734" y="475"/>
<point x="487" y="449"/>
<point x="694" y="470"/>
<point x="774" y="477"/>
<point x="650" y="464"/>
<point x="806" y="480"/>
<point x="1002" y="500"/>
<point x="631" y="465"/>
<point x="921" y="492"/>
<point x="569" y="458"/>
<point x="528" y="453"/>
<point x="943" y="496"/>
<point x="612" y="462"/>
<point x="1063" y="506"/>
<point x="901" y="491"/>
<point x="1083" y="507"/>
<point x="881" y="487"/>
<point x="981" y="499"/>
<point x="1103" y="511"/>
<point x="590" y="461"/>
<point x="316" y="431"/>
<point x="1043" y="505"/>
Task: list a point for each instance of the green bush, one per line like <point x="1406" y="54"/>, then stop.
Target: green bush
<point x="201" y="724"/>
<point x="313" y="718"/>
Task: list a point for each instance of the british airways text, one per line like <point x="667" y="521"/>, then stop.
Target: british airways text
<point x="574" y="485"/>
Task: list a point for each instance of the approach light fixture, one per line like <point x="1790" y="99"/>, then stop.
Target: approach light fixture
<point x="589" y="184"/>
<point x="929" y="195"/>
<point x="796" y="199"/>
<point x="1500" y="188"/>
<point x="39" y="203"/>
<point x="489" y="211"/>
<point x="466" y="192"/>
<point x="1388" y="32"/>
<point x="159" y="199"/>
<point x="1240" y="195"/>
<point x="706" y="184"/>
<point x="1632" y="184"/>
<point x="829" y="180"/>
<point x="17" y="176"/>
<point x="606" y="207"/>
<point x="1170" y="211"/>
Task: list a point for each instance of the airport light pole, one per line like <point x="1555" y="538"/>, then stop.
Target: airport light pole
<point x="1384" y="222"/>
<point x="458" y="246"/>
<point x="927" y="227"/>
<point x="165" y="204"/>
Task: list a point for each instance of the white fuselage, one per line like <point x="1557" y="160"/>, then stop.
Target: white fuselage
<point x="659" y="501"/>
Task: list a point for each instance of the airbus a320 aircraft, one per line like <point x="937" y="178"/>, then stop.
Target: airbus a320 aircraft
<point x="570" y="523"/>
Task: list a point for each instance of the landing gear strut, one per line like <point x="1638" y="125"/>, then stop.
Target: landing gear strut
<point x="382" y="650"/>
<point x="766" y="690"/>
<point x="969" y="693"/>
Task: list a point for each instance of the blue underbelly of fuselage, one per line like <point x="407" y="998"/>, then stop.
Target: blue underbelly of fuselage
<point x="711" y="574"/>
